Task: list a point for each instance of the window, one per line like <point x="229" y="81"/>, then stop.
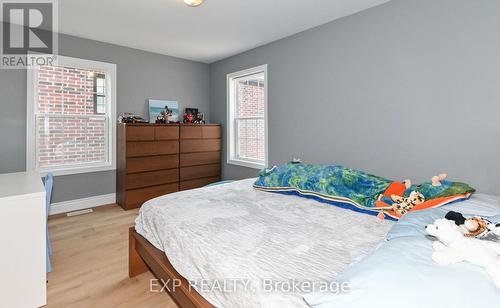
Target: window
<point x="100" y="93"/>
<point x="71" y="117"/>
<point x="247" y="117"/>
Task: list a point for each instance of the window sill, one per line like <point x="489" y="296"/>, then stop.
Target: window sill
<point x="245" y="163"/>
<point x="75" y="170"/>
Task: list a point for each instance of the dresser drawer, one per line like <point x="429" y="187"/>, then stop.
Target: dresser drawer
<point x="136" y="197"/>
<point x="191" y="132"/>
<point x="200" y="145"/>
<point x="152" y="178"/>
<point x="196" y="172"/>
<point x="166" y="132"/>
<point x="200" y="132"/>
<point x="140" y="164"/>
<point x="202" y="158"/>
<point x="191" y="184"/>
<point x="135" y="149"/>
<point x="211" y="132"/>
<point x="140" y="133"/>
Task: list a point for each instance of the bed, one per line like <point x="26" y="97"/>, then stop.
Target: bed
<point x="233" y="231"/>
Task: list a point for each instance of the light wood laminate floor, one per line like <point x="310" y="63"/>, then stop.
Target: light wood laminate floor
<point x="90" y="263"/>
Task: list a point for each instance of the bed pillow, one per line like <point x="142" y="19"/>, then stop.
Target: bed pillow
<point x="354" y="189"/>
<point x="401" y="273"/>
<point x="401" y="269"/>
<point x="478" y="204"/>
<point x="413" y="224"/>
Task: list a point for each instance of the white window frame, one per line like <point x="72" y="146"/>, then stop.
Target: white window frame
<point x="231" y="125"/>
<point x="32" y="102"/>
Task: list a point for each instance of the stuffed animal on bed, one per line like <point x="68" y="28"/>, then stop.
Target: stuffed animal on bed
<point x="453" y="247"/>
<point x="413" y="195"/>
<point x="438" y="187"/>
<point x="476" y="226"/>
<point x="405" y="196"/>
<point x="436" y="180"/>
<point x="403" y="205"/>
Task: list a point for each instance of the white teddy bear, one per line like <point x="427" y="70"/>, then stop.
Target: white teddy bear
<point x="453" y="247"/>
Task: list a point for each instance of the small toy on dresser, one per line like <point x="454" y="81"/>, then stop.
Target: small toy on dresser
<point x="199" y="118"/>
<point x="164" y="116"/>
<point x="188" y="118"/>
<point x="128" y="117"/>
<point x="453" y="247"/>
<point x="191" y="115"/>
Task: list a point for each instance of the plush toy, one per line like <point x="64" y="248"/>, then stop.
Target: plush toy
<point x="436" y="180"/>
<point x="453" y="247"/>
<point x="476" y="226"/>
<point x="403" y="205"/>
<point x="407" y="183"/>
<point x="399" y="198"/>
<point x="415" y="197"/>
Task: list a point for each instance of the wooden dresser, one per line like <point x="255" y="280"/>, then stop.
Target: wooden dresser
<point x="200" y="157"/>
<point x="157" y="159"/>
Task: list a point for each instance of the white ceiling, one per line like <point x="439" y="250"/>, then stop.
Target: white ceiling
<point x="213" y="31"/>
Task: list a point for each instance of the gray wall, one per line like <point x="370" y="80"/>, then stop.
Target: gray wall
<point x="407" y="89"/>
<point x="140" y="75"/>
<point x="404" y="90"/>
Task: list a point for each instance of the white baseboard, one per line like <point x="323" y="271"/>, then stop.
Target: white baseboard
<point x="81" y="204"/>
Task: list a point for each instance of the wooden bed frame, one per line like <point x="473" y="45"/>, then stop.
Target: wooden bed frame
<point x="143" y="257"/>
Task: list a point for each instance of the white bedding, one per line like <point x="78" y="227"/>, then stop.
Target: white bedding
<point x="233" y="231"/>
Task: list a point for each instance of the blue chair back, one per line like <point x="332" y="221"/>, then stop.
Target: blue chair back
<point x="49" y="183"/>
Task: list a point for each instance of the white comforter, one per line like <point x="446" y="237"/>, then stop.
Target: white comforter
<point x="239" y="239"/>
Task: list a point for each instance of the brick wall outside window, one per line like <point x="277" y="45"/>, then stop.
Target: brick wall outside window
<point x="68" y="131"/>
<point x="251" y="138"/>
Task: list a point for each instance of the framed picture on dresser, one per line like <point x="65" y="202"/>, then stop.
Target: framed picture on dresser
<point x="157" y="106"/>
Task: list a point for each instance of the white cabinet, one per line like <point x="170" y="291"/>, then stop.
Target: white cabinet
<point x="22" y="240"/>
